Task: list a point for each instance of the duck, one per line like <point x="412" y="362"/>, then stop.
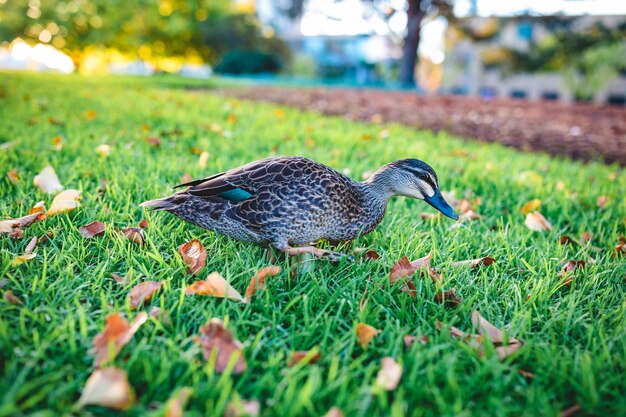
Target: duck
<point x="291" y="202"/>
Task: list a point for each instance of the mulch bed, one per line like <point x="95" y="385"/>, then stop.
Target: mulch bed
<point x="581" y="131"/>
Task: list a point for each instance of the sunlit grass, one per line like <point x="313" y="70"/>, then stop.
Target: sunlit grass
<point x="575" y="337"/>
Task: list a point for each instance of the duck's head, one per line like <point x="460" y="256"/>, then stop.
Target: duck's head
<point x="412" y="178"/>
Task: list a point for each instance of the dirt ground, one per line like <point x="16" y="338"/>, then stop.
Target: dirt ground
<point x="581" y="131"/>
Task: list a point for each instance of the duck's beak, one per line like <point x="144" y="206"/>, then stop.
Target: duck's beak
<point x="438" y="202"/>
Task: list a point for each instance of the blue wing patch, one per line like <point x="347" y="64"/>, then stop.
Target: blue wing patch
<point x="235" y="195"/>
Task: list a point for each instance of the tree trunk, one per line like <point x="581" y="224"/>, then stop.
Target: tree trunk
<point x="411" y="44"/>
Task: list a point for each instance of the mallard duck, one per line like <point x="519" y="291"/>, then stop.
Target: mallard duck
<point x="289" y="202"/>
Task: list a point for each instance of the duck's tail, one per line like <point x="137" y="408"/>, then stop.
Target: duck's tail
<point x="159" y="204"/>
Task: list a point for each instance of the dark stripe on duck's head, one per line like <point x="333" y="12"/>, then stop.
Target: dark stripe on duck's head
<point x="420" y="169"/>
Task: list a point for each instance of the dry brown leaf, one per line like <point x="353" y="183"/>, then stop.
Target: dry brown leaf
<point x="214" y="286"/>
<point x="409" y="340"/>
<point x="144" y="224"/>
<point x="334" y="412"/>
<point x="119" y="279"/>
<point x="603" y="201"/>
<point x="532" y="205"/>
<point x="389" y="375"/>
<point x="568" y="269"/>
<point x="109" y="388"/>
<point x="13" y="226"/>
<point x="175" y="405"/>
<point x="216" y="340"/>
<point x="143" y="292"/>
<point x="307" y="356"/>
<point x="526" y="374"/>
<point x="365" y="333"/>
<point x="586" y="236"/>
<point x="135" y="234"/>
<point x="48" y="181"/>
<point x="536" y="222"/>
<point x="160" y="314"/>
<point x="469" y="215"/>
<point x="401" y="269"/>
<point x="31" y="246"/>
<point x="90" y="115"/>
<point x="448" y="298"/>
<point x="13" y="176"/>
<point x="257" y="283"/>
<point x="9" y="297"/>
<point x="185" y="178"/>
<point x="57" y="141"/>
<point x="65" y="201"/>
<point x="117" y="332"/>
<point x="92" y="229"/>
<point x="242" y="408"/>
<point x="487" y="260"/>
<point x="424" y="262"/>
<point x="194" y="256"/>
<point x="496" y="336"/>
<point x="366" y="253"/>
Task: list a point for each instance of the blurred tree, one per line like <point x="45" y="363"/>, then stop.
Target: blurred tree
<point x="146" y="29"/>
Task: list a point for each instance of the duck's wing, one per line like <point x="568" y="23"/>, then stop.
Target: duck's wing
<point x="242" y="183"/>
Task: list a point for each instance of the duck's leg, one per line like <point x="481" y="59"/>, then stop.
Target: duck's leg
<point x="317" y="252"/>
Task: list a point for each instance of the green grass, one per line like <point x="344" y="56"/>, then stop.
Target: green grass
<point x="575" y="337"/>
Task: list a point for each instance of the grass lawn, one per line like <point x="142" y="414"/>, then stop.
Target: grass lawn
<point x="575" y="337"/>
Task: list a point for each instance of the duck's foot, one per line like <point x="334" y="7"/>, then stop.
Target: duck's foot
<point x="317" y="252"/>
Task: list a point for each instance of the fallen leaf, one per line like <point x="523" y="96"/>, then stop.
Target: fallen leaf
<point x="496" y="336"/>
<point x="119" y="279"/>
<point x="216" y="340"/>
<point x="39" y="207"/>
<point x="11" y="225"/>
<point x="257" y="283"/>
<point x="424" y="262"/>
<point x="109" y="388"/>
<point x="194" y="256"/>
<point x="175" y="405"/>
<point x="586" y="237"/>
<point x="48" y="181"/>
<point x="90" y="115"/>
<point x="366" y="253"/>
<point x="430" y="216"/>
<point x="92" y="229"/>
<point x="241" y="408"/>
<point x="307" y="356"/>
<point x="144" y="224"/>
<point x="13" y="176"/>
<point x="203" y="159"/>
<point x="401" y="269"/>
<point x="389" y="375"/>
<point x="153" y="141"/>
<point x="279" y="113"/>
<point x="334" y="412"/>
<point x="57" y="141"/>
<point x="160" y="314"/>
<point x="448" y="298"/>
<point x="31" y="246"/>
<point x="185" y="178"/>
<point x="365" y="333"/>
<point x="526" y="374"/>
<point x="214" y="286"/>
<point x="532" y="205"/>
<point x="20" y="259"/>
<point x="536" y="222"/>
<point x="568" y="269"/>
<point x="409" y="340"/>
<point x="135" y="234"/>
<point x="469" y="215"/>
<point x="143" y="292"/>
<point x="103" y="150"/>
<point x="117" y="333"/>
<point x="602" y="201"/>
<point x="475" y="262"/>
<point x="566" y="240"/>
<point x="9" y="297"/>
<point x="65" y="201"/>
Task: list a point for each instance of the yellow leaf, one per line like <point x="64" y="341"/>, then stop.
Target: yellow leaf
<point x="365" y="333"/>
<point x="532" y="205"/>
<point x="65" y="201"/>
<point x="215" y="286"/>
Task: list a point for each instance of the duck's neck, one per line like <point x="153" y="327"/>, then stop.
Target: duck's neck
<point x="379" y="186"/>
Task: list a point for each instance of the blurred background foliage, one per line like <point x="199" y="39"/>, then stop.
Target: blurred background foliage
<point x="165" y="32"/>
